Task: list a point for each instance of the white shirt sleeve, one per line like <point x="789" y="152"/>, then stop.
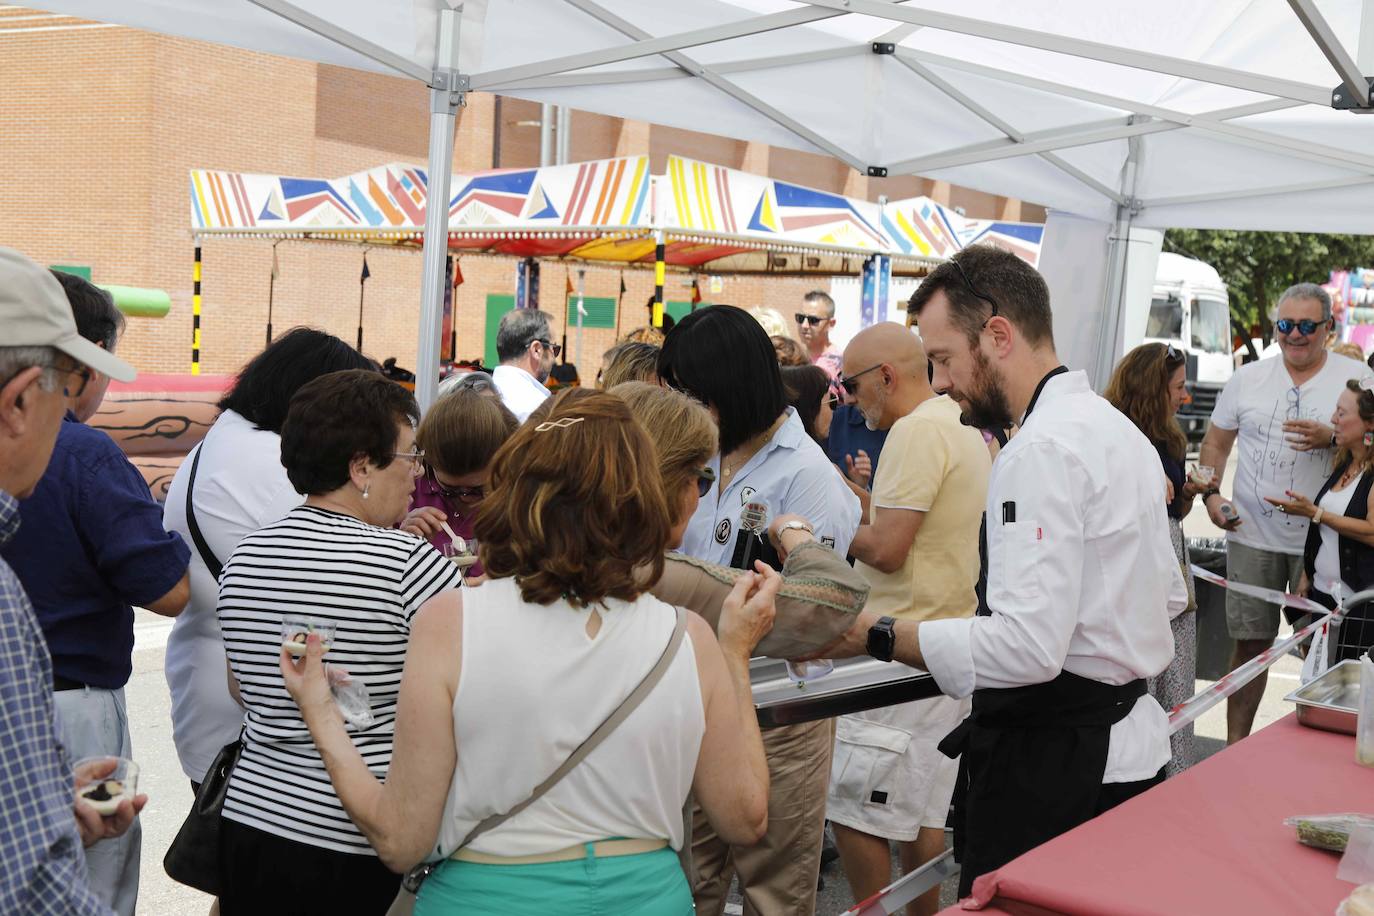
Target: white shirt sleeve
<point x="1035" y="569"/>
<point x="1226" y="411"/>
<point x="820" y="496"/>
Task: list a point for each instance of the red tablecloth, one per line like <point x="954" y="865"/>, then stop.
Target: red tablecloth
<point x="1211" y="840"/>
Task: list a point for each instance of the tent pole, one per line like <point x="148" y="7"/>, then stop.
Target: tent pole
<point x="660" y="271"/>
<point x="1118" y="253"/>
<point x="447" y="93"/>
<point x="195" y="315"/>
<point x="1364" y="50"/>
<point x="581" y="310"/>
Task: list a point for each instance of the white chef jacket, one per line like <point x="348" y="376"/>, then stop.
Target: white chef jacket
<point x="792" y="476"/>
<point x="1085" y="580"/>
<point x="521" y="392"/>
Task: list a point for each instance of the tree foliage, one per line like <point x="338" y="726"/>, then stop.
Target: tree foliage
<point x="1259" y="266"/>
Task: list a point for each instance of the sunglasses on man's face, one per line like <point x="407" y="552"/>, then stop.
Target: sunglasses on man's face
<point x="813" y="320"/>
<point x="706" y="478"/>
<point x="553" y="348"/>
<point x="849" y="385"/>
<point x="1306" y="326"/>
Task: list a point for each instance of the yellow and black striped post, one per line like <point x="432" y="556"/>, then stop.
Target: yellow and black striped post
<point x="660" y="269"/>
<point x="195" y="317"/>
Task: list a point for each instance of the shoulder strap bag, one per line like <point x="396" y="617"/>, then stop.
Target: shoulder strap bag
<point x="410" y="884"/>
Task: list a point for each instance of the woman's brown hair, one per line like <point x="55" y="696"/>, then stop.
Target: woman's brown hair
<point x="682" y="431"/>
<point x="576" y="503"/>
<point x="1364" y="405"/>
<point x="463" y="430"/>
<point x="1140" y="389"/>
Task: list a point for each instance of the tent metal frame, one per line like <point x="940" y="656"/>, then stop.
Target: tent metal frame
<point x="449" y="85"/>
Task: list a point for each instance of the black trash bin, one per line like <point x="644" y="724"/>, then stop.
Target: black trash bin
<point x="1214" y="644"/>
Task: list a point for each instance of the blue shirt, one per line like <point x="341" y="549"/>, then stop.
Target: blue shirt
<point x="91" y="545"/>
<point x="42" y="867"/>
<point x="849" y="434"/>
<point x="789" y="474"/>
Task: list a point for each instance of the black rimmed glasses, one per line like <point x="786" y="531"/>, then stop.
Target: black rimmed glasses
<point x="833" y="399"/>
<point x="813" y="320"/>
<point x="706" y="478"/>
<point x="848" y="383"/>
<point x="552" y="347"/>
<point x="975" y="291"/>
<point x="467" y="495"/>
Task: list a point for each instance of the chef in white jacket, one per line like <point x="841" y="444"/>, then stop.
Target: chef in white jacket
<point x="1081" y="578"/>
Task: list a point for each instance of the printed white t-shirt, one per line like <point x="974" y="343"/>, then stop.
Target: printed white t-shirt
<point x="1256" y="402"/>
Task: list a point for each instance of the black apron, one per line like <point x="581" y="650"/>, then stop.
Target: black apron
<point x="1031" y="758"/>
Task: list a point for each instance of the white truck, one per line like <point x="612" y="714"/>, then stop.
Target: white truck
<point x="1189" y="309"/>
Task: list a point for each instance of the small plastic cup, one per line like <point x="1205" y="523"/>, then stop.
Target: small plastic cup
<point x="801" y="672"/>
<point x="463" y="554"/>
<point x="103" y="787"/>
<point x="1203" y="475"/>
<point x="295" y="629"/>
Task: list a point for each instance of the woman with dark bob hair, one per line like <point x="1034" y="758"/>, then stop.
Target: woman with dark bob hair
<point x="333" y="566"/>
<point x="459" y="436"/>
<point x="502" y="682"/>
<point x="723" y="358"/>
<point x="240" y="485"/>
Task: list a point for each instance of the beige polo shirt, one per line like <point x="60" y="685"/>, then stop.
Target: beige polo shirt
<point x="932" y="463"/>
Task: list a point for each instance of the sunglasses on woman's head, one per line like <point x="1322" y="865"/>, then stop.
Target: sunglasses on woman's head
<point x="706" y="477"/>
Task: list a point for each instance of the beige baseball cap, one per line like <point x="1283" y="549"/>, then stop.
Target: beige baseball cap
<point x="34" y="312"/>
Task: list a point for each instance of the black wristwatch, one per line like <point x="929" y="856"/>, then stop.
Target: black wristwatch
<point x="881" y="639"/>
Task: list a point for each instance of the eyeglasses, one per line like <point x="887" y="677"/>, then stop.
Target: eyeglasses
<point x="833" y="400"/>
<point x="462" y="494"/>
<point x="973" y="289"/>
<point x="81" y="372"/>
<point x="706" y="478"/>
<point x="848" y="384"/>
<point x="812" y="320"/>
<point x="1173" y="355"/>
<point x="414" y="457"/>
<point x="1307" y="326"/>
<point x="553" y="348"/>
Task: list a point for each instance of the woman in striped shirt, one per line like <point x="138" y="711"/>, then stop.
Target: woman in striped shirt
<point x="348" y="445"/>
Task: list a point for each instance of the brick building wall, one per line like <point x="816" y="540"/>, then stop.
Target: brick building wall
<point x="102" y="124"/>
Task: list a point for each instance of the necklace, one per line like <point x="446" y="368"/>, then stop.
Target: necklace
<point x="748" y="450"/>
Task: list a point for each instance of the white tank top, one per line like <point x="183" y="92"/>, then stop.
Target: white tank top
<point x="533" y="686"/>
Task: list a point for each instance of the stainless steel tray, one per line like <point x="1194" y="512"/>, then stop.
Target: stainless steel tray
<point x="1330" y="702"/>
<point x="856" y="684"/>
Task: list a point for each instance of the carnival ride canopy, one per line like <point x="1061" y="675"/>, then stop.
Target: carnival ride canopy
<point x="713" y="219"/>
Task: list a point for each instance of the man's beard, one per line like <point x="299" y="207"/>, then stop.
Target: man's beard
<point x="987" y="402"/>
<point x="872" y="422"/>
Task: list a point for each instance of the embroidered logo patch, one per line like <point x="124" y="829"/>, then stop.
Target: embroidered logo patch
<point x="878" y="798"/>
<point x="746" y="495"/>
<point x="723" y="531"/>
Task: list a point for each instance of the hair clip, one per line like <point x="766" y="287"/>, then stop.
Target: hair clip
<point x="562" y="423"/>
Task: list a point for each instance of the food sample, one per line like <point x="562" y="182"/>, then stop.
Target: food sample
<point x="104" y="796"/>
<point x="295" y="645"/>
<point x="463" y="560"/>
<point x="1328" y="831"/>
<point x="1360" y="902"/>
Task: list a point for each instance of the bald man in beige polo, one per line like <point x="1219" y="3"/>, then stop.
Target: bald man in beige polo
<point x="918" y="548"/>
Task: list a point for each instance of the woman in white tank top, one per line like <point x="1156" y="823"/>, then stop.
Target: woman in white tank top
<point x="503" y="682"/>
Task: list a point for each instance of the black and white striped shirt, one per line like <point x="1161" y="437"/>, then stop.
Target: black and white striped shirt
<point x="369" y="582"/>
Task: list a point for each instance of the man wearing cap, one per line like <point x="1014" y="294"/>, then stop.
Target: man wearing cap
<point x="42" y="829"/>
<point x="90" y="548"/>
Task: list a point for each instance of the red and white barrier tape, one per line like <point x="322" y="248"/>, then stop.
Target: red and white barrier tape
<point x="1272" y="595"/>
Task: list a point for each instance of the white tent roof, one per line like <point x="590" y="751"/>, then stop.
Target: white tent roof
<point x="1228" y="102"/>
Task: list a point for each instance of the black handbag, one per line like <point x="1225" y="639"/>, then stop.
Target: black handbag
<point x="193" y="857"/>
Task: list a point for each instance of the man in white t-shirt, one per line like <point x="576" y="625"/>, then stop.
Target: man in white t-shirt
<point x="1276" y="408"/>
<point x="524" y="344"/>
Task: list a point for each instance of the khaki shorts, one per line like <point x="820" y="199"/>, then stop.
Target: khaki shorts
<point x="1255" y="618"/>
<point x="888" y="778"/>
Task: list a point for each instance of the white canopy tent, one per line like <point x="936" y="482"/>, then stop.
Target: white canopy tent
<point x="1117" y="116"/>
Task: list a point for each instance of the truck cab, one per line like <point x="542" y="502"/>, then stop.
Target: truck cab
<point x="1189" y="310"/>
